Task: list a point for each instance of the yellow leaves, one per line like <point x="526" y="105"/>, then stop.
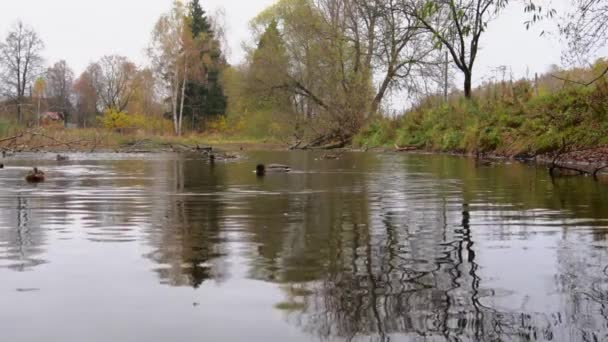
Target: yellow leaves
<point x="115" y="120"/>
<point x="219" y="125"/>
<point x="39" y="87"/>
<point x="119" y="121"/>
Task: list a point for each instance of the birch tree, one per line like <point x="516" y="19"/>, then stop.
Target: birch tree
<point x="20" y="64"/>
<point x="167" y="52"/>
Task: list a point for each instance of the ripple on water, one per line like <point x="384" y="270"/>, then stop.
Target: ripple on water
<point x="414" y="247"/>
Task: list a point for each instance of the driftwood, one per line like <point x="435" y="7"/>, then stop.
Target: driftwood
<point x="25" y="141"/>
<point x="405" y="149"/>
<point x="593" y="171"/>
<point x="315" y="142"/>
<point x="324" y="142"/>
<point x="598" y="170"/>
<point x="295" y="146"/>
<point x="333" y="146"/>
<point x="20" y="135"/>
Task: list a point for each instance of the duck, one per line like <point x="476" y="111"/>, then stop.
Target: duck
<point x="262" y="169"/>
<point x="1" y="166"/>
<point x="62" y="158"/>
<point x="35" y="176"/>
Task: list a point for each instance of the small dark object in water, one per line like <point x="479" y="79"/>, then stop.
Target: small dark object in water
<point x="62" y="158"/>
<point x="207" y="149"/>
<point x="212" y="158"/>
<point x="481" y="160"/>
<point x="261" y="169"/>
<point x="230" y="156"/>
<point x="331" y="156"/>
<point x="35" y="176"/>
<point x="1" y="166"/>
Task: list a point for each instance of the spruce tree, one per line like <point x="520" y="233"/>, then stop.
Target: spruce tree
<point x="205" y="98"/>
<point x="199" y="23"/>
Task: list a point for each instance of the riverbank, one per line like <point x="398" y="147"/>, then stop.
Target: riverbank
<point x="547" y="120"/>
<point x="101" y="140"/>
<point x="587" y="162"/>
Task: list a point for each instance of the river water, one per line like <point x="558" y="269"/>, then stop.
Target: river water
<point x="371" y="247"/>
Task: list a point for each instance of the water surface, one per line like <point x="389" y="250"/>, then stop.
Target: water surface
<point x="366" y="248"/>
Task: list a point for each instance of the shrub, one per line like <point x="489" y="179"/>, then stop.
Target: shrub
<point x="120" y="121"/>
<point x="114" y="120"/>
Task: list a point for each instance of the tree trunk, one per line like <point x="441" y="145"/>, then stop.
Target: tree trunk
<point x="181" y="109"/>
<point x="174" y="99"/>
<point x="19" y="111"/>
<point x="38" y="112"/>
<point x="381" y="92"/>
<point x="467" y="84"/>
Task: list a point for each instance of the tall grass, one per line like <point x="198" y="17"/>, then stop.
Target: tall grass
<point x="508" y="118"/>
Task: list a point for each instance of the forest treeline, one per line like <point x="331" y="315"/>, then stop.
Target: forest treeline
<point x="317" y="74"/>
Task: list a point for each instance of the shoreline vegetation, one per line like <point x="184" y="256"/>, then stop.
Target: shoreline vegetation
<point x="554" y="121"/>
<point x="316" y="75"/>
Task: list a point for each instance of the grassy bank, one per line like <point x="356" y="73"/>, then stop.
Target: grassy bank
<point x="56" y="139"/>
<point x="504" y="118"/>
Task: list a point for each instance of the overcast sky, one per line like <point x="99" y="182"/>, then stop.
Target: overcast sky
<point x="81" y="31"/>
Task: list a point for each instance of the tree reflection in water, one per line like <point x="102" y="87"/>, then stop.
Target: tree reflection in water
<point x="186" y="237"/>
<point x="384" y="254"/>
<point x="22" y="240"/>
<point x="403" y="264"/>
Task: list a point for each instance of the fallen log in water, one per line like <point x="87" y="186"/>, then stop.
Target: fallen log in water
<point x="595" y="159"/>
<point x="405" y="149"/>
<point x="594" y="171"/>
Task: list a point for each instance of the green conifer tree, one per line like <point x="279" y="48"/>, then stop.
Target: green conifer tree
<point x="205" y="97"/>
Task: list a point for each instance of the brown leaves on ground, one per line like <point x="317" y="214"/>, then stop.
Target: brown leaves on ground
<point x="595" y="156"/>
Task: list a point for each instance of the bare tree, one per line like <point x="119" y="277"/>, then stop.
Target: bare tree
<point x="457" y="26"/>
<point x="113" y="77"/>
<point x="86" y="96"/>
<point x="584" y="27"/>
<point x="60" y="80"/>
<point x="404" y="54"/>
<point x="20" y="63"/>
<point x="344" y="57"/>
